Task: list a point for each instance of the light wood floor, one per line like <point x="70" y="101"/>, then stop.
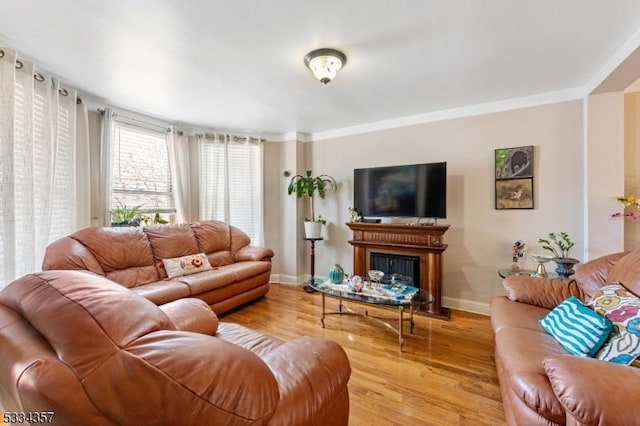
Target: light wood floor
<point x="445" y="376"/>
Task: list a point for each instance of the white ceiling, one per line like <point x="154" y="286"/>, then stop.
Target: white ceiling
<point x="239" y="64"/>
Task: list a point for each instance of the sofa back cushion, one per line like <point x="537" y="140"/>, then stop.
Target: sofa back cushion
<point x="170" y="241"/>
<point x="123" y="253"/>
<point x="70" y="254"/>
<point x="595" y="273"/>
<point x="74" y="312"/>
<point x="214" y="239"/>
<point x="627" y="272"/>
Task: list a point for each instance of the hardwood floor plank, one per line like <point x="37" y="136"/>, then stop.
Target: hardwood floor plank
<point x="445" y="375"/>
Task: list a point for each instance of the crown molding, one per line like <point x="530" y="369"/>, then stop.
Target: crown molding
<point x="448" y="114"/>
<point x="614" y="62"/>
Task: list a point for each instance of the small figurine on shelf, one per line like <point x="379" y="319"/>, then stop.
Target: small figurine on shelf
<point x="517" y="252"/>
<point x="354" y="216"/>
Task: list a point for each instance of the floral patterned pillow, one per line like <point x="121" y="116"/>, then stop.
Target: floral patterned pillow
<point x="621" y="307"/>
<point x="186" y="265"/>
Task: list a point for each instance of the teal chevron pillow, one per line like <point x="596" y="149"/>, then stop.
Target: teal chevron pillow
<point x="581" y="331"/>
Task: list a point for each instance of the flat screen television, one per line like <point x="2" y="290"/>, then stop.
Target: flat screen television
<point x="414" y="190"/>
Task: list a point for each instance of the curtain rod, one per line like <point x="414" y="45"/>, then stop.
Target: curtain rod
<point x="228" y="137"/>
<point x="143" y="125"/>
<point x="36" y="75"/>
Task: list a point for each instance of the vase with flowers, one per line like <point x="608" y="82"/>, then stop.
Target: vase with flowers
<point x="560" y="245"/>
<point x="630" y="207"/>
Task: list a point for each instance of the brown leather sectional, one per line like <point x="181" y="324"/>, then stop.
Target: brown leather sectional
<point x="541" y="384"/>
<point x="93" y="352"/>
<point x="133" y="257"/>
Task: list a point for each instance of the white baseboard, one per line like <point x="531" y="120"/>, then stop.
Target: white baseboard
<point x="287" y="279"/>
<point x="466" y="305"/>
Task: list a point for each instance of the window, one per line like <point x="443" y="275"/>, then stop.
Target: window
<point x="140" y="169"/>
<point x="231" y="182"/>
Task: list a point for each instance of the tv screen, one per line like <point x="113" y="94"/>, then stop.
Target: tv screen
<point x="415" y="190"/>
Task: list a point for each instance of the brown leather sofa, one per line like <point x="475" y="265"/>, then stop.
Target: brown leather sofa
<point x="541" y="384"/>
<point x="95" y="353"/>
<point x="133" y="257"/>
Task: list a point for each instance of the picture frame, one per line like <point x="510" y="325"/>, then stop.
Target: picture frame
<point x="512" y="163"/>
<point x="514" y="194"/>
<point x="514" y="187"/>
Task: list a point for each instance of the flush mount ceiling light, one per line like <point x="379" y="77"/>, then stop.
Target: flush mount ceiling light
<point x="325" y="63"/>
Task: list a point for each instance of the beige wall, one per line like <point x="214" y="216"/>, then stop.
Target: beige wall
<point x="632" y="162"/>
<point x="604" y="175"/>
<point x="480" y="237"/>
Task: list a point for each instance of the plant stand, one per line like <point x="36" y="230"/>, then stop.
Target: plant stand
<point x="312" y="255"/>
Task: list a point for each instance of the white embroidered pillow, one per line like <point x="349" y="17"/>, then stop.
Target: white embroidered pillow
<point x="186" y="265"/>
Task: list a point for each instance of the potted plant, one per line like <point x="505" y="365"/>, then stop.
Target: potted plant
<point x="307" y="186"/>
<point x="560" y="245"/>
<point x="126" y="216"/>
<point x="134" y="216"/>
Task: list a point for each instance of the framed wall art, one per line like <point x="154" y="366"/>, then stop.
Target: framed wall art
<point x="514" y="178"/>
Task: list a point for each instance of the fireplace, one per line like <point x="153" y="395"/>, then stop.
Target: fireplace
<point x="410" y="250"/>
<point x="405" y="267"/>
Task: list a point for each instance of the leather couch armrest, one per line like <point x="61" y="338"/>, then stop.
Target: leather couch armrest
<point x="193" y="315"/>
<point x="311" y="372"/>
<point x="543" y="292"/>
<point x="248" y="253"/>
<point x="594" y="392"/>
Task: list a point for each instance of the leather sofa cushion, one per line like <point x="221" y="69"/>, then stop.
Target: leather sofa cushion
<point x="594" y="274"/>
<point x="160" y="292"/>
<point x="193" y="315"/>
<point x="521" y="353"/>
<point x="85" y="302"/>
<point x="258" y="343"/>
<point x="505" y="313"/>
<point x="130" y="277"/>
<point x="116" y="248"/>
<point x="203" y="282"/>
<point x="220" y="258"/>
<point x="68" y="253"/>
<point x="212" y="236"/>
<point x="169" y="241"/>
<point x="627" y="273"/>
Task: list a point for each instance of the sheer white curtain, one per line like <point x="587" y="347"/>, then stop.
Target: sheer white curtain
<point x="38" y="165"/>
<point x="178" y="147"/>
<point x="231" y="183"/>
<point x="106" y="135"/>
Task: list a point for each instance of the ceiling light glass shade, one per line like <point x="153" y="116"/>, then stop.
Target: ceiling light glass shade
<point x="325" y="63"/>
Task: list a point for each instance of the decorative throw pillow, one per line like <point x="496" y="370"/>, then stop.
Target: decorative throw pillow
<point x="621" y="307"/>
<point x="186" y="265"/>
<point x="577" y="328"/>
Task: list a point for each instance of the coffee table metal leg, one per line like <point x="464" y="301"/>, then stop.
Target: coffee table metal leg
<point x="411" y="317"/>
<point x="323" y="307"/>
<point x="400" y="339"/>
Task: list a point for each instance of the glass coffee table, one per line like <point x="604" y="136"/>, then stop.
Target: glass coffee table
<point x="404" y="300"/>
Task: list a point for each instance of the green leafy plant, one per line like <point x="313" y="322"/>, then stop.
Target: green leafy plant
<point x="134" y="216"/>
<point x="307" y="186"/>
<point x="559" y="244"/>
<point x="126" y="216"/>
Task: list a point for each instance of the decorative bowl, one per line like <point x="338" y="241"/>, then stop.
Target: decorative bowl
<point x="541" y="258"/>
<point x="375" y="275"/>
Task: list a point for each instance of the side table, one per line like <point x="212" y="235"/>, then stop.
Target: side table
<point x="507" y="272"/>
<point x="307" y="286"/>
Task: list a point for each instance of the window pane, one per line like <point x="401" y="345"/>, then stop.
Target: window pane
<point x="141" y="174"/>
<point x="231" y="185"/>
